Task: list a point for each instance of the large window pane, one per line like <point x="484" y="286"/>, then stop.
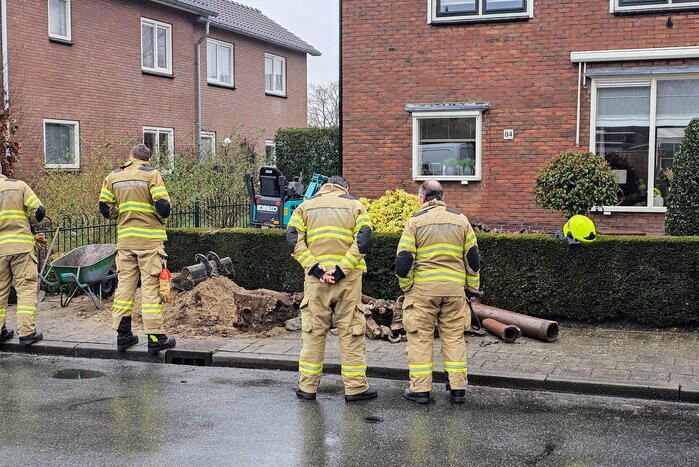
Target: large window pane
<point x="211" y="59"/>
<point x="623" y="129"/>
<point x="504" y="5"/>
<point x="269" y="71"/>
<point x="678" y="102"/>
<point x="279" y="75"/>
<point x="147" y="39"/>
<point x="162" y="48"/>
<point x="60" y="144"/>
<point x="447" y="146"/>
<point x="58" y="18"/>
<point x="453" y="7"/>
<point x="224" y="65"/>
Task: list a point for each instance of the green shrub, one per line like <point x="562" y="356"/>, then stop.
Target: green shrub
<point x="575" y="182"/>
<point x="390" y="212"/>
<point x="305" y="151"/>
<point x="683" y="203"/>
<point x="648" y="280"/>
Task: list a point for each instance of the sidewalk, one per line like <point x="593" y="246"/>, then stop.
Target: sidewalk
<point x="655" y="365"/>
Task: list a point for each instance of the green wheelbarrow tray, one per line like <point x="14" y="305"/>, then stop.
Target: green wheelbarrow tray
<point x="84" y="268"/>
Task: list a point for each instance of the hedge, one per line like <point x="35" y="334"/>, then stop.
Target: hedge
<point x="305" y="151"/>
<point x="652" y="281"/>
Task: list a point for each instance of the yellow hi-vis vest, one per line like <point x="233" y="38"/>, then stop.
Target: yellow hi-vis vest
<point x="18" y="207"/>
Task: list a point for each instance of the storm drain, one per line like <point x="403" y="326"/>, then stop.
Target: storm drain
<point x="183" y="357"/>
<point x="75" y="373"/>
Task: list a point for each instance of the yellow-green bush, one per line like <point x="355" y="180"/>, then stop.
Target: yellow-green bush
<point x="389" y="213"/>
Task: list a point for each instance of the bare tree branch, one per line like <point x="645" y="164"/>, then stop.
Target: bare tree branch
<point x="323" y="105"/>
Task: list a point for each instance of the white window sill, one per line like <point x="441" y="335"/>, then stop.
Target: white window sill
<point x="655" y="9"/>
<point x="157" y="72"/>
<point x="61" y="40"/>
<point x="275" y="94"/>
<point x="448" y="178"/>
<point x="62" y="166"/>
<point x="479" y="19"/>
<point x="636" y="209"/>
<point x="220" y="84"/>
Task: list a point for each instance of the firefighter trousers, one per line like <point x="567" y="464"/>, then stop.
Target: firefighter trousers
<point x="451" y="316"/>
<point x="321" y="303"/>
<point x="146" y="266"/>
<point x="22" y="268"/>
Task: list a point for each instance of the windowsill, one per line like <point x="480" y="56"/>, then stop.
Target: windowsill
<point x="656" y="10"/>
<point x="480" y="19"/>
<point x="634" y="209"/>
<point x="60" y="40"/>
<point x="71" y="168"/>
<point x="448" y="178"/>
<point x="276" y="94"/>
<point x="220" y="85"/>
<point x="161" y="74"/>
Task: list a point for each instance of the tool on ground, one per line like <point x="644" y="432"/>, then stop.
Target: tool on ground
<point x="87" y="269"/>
<point x="208" y="266"/>
<point x="277" y="200"/>
<point x="538" y="328"/>
<point x="40" y="294"/>
<point x="507" y="333"/>
<point x="164" y="283"/>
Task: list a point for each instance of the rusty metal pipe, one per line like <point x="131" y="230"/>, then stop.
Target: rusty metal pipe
<point x="506" y="332"/>
<point x="542" y="329"/>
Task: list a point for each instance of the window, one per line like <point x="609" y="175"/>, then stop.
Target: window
<point x="156" y="46"/>
<point x="644" y="5"/>
<point x="59" y="19"/>
<point x="161" y="143"/>
<point x="446" y="11"/>
<point x="62" y="144"/>
<point x="275" y="75"/>
<point x="270" y="152"/>
<point x="219" y="62"/>
<point x="638" y="126"/>
<point x="207" y="144"/>
<point x="447" y="145"/>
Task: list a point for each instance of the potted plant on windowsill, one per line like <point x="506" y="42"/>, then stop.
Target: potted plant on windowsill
<point x="658" y="200"/>
<point x="450" y="166"/>
<point x="467" y="166"/>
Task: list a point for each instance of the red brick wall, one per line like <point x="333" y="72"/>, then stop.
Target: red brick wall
<point x="247" y="110"/>
<point x="392" y="57"/>
<point x="98" y="80"/>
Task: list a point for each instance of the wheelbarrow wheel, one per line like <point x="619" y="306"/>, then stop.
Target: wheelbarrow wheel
<point x="108" y="286"/>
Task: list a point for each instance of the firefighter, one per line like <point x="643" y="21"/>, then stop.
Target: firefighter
<point x="329" y="236"/>
<point x="136" y="197"/>
<point x="19" y="207"/>
<point x="437" y="258"/>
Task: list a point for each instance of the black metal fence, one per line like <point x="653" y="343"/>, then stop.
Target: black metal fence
<point x="217" y="213"/>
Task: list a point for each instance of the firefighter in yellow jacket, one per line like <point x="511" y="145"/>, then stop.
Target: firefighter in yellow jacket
<point x="19" y="207"/>
<point x="329" y="236"/>
<point x="136" y="197"/>
<point x="437" y="258"/>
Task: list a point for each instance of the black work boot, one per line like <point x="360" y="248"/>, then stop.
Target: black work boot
<point x="125" y="337"/>
<point x="370" y="393"/>
<point x="158" y="342"/>
<point x="308" y="396"/>
<point x="457" y="396"/>
<point x="6" y="334"/>
<point x="419" y="397"/>
<point x="31" y="338"/>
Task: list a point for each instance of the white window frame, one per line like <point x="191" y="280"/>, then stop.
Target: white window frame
<point x="69" y="32"/>
<point x="76" y="137"/>
<point x="212" y="136"/>
<point x="615" y="6"/>
<point x="275" y="92"/>
<point x="464" y="179"/>
<point x="217" y="80"/>
<point x="271" y="143"/>
<point x="170" y="146"/>
<point x="156" y="24"/>
<point x="652" y="82"/>
<point x="477" y="18"/>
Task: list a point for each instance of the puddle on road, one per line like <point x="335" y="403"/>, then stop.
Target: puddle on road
<point x="74" y="373"/>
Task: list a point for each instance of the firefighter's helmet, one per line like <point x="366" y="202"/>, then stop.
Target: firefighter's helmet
<point x="580" y="228"/>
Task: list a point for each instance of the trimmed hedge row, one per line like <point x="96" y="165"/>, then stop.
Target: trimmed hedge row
<point x="653" y="281"/>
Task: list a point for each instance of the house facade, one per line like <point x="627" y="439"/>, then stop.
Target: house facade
<point x="84" y="72"/>
<point x="481" y="94"/>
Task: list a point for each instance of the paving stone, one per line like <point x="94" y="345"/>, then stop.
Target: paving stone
<point x="572" y="372"/>
<point x="648" y="376"/>
<point x="609" y="373"/>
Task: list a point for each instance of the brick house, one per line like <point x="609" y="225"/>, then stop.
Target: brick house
<point x="85" y="71"/>
<point x="482" y="93"/>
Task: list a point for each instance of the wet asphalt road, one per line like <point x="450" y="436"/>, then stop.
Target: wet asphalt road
<point x="139" y="414"/>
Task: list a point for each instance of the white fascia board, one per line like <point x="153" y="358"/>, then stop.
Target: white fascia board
<point x="660" y="53"/>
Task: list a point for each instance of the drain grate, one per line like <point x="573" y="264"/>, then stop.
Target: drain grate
<point x="75" y="373"/>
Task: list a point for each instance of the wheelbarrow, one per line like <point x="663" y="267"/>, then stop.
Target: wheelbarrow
<point x="88" y="269"/>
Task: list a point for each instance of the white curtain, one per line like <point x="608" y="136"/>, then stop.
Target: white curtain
<point x="678" y="102"/>
<point x="500" y="5"/>
<point x="269" y="71"/>
<point x="623" y="106"/>
<point x="147" y="32"/>
<point x="162" y="48"/>
<point x="211" y="59"/>
<point x="224" y="64"/>
<point x="58" y="17"/>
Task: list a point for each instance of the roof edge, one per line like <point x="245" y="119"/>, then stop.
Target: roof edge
<point x="187" y="7"/>
<point x="309" y="50"/>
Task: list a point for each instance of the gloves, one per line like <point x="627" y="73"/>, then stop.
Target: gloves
<point x="316" y="272"/>
<point x="40" y="241"/>
<point x="473" y="296"/>
<point x="338" y="275"/>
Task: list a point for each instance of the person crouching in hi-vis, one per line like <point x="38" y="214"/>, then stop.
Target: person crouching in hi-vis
<point x="136" y="197"/>
<point x="19" y="207"/>
<point x="329" y="236"/>
<point x="437" y="257"/>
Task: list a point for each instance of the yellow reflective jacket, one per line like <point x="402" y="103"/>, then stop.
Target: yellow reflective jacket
<point x="18" y="208"/>
<point x="331" y="229"/>
<point x="130" y="192"/>
<point x="437" y="253"/>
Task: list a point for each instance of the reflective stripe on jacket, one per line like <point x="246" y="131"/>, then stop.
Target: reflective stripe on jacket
<point x="18" y="207"/>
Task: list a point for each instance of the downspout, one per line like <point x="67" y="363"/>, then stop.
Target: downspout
<point x="197" y="88"/>
<point x="5" y="66"/>
<point x="339" y="109"/>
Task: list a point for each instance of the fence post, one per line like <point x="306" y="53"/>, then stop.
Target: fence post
<point x="197" y="213"/>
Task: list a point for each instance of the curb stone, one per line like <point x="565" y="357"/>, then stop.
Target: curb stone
<point x="689" y="393"/>
<point x="669" y="391"/>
